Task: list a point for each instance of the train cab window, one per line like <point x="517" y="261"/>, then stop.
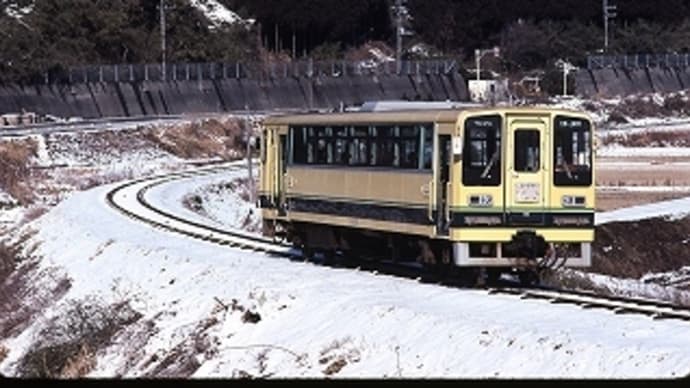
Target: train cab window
<point x="526" y="150"/>
<point x="572" y="152"/>
<point x="482" y="151"/>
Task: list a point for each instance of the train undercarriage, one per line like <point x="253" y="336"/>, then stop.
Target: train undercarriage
<point x="527" y="257"/>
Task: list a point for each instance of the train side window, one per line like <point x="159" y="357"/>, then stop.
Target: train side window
<point x="311" y="146"/>
<point x="341" y="145"/>
<point x="427" y="146"/>
<point x="383" y="149"/>
<point x="299" y="145"/>
<point x="391" y="146"/>
<point x="373" y="147"/>
<point x="358" y="152"/>
<point x="526" y="150"/>
<point x="342" y="154"/>
<point x="409" y="152"/>
<point x="481" y="156"/>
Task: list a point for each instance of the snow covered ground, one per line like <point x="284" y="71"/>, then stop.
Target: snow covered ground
<point x="317" y="321"/>
<point x="220" y="195"/>
<point x="673" y="209"/>
<point x="619" y="151"/>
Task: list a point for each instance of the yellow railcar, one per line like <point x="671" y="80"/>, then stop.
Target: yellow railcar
<point x="499" y="188"/>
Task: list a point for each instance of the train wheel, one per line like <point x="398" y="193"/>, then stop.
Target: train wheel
<point x="328" y="257"/>
<point x="469" y="277"/>
<point x="307" y="253"/>
<point x="528" y="277"/>
<point x="493" y="275"/>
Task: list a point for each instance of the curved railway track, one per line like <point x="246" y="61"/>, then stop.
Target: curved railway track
<point x="142" y="210"/>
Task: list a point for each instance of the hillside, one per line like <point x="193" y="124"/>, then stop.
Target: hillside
<point x="51" y="35"/>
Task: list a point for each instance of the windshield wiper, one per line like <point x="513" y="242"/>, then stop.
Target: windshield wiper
<point x="567" y="171"/>
<point x="494" y="157"/>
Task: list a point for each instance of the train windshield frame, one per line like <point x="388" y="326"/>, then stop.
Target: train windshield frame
<point x="572" y="151"/>
<point x="481" y="155"/>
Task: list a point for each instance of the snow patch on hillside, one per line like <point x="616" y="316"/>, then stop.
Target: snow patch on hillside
<point x="17" y="12"/>
<point x="218" y="13"/>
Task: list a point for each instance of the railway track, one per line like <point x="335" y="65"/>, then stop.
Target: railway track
<point x="130" y="199"/>
<point x="84" y="125"/>
<point x="161" y="219"/>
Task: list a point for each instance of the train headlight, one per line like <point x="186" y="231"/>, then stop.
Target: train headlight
<point x="573" y="201"/>
<point x="483" y="200"/>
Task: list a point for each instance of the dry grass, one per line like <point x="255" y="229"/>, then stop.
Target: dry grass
<point x="80" y="364"/>
<point x="66" y="346"/>
<point x="662" y="176"/>
<point x="649" y="139"/>
<point x="337" y="355"/>
<point x="662" y="172"/>
<point x="23" y="300"/>
<point x="632" y="249"/>
<point x="3" y="353"/>
<point x="15" y="169"/>
<point x="8" y="261"/>
<point x="611" y="200"/>
<point x="672" y="105"/>
<point x="33" y="213"/>
<point x="193" y="202"/>
<point x="202" y="139"/>
<point x="181" y="360"/>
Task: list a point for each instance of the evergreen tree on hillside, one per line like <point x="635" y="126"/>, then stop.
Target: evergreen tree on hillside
<point x="346" y="23"/>
<point x="58" y="34"/>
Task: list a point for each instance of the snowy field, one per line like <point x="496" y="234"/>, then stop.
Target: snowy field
<point x="209" y="311"/>
<point x="316" y="321"/>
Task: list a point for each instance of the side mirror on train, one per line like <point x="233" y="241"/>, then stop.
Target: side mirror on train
<point x="457" y="146"/>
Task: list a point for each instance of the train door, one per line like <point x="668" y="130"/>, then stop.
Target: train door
<point x="442" y="183"/>
<point x="526" y="188"/>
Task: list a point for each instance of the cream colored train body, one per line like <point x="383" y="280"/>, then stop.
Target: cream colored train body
<point x="478" y="187"/>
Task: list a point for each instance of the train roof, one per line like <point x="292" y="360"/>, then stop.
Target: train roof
<point x="403" y="116"/>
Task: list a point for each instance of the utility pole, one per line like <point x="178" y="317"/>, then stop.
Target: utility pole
<point x="609" y="12"/>
<point x="478" y="59"/>
<point x="398" y="35"/>
<point x="294" y="44"/>
<point x="479" y="54"/>
<point x="567" y="68"/>
<point x="162" y="10"/>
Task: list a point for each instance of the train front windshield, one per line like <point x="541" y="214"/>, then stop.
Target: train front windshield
<point x="572" y="152"/>
<point x="482" y="151"/>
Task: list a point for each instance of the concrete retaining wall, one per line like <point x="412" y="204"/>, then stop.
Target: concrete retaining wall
<point x="122" y="99"/>
<point x="612" y="82"/>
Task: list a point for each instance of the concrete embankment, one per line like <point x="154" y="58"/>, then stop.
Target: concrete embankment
<point x="613" y="82"/>
<point x="123" y="99"/>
